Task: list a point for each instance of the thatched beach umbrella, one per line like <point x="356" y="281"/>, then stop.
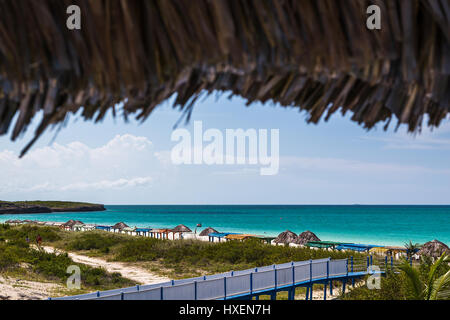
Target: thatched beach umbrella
<point x="434" y="249"/>
<point x="207" y="231"/>
<point x="120" y="226"/>
<point x="305" y="237"/>
<point x="315" y="55"/>
<point x="69" y="224"/>
<point x="286" y="237"/>
<point x="180" y="229"/>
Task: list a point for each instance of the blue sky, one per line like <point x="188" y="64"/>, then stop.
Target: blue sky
<point x="335" y="162"/>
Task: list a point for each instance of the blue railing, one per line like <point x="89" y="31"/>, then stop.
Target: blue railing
<point x="230" y="284"/>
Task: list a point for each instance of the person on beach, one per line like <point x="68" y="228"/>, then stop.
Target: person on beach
<point x="27" y="239"/>
<point x="38" y="240"/>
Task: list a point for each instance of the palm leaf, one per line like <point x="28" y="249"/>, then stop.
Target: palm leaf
<point x="441" y="288"/>
<point x="431" y="276"/>
<point x="413" y="278"/>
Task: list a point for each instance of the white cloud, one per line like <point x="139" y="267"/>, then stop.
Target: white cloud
<point x="107" y="184"/>
<point x="124" y="162"/>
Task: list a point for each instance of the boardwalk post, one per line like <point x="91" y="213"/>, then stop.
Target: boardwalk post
<point x="351" y="266"/>
<point x="310" y="280"/>
<point x="392" y="262"/>
<point x="291" y="293"/>
<point x="368" y="262"/>
<point x="137" y="287"/>
<point x="293" y="274"/>
<point x="251" y="283"/>
<point x="275" y="276"/>
<point x="328" y="276"/>
<point x="325" y="283"/>
<point x="224" y="288"/>
<point x="371" y="260"/>
<point x="273" y="295"/>
<point x="307" y="293"/>
<point x="162" y="294"/>
<point x="346" y="277"/>
<point x="385" y="263"/>
<point x="195" y="290"/>
<point x="121" y="295"/>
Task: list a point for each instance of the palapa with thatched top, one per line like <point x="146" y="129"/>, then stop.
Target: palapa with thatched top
<point x="305" y="237"/>
<point x="69" y="224"/>
<point x="120" y="226"/>
<point x="286" y="237"/>
<point x="181" y="228"/>
<point x="207" y="231"/>
<point x="434" y="249"/>
<point x="316" y="55"/>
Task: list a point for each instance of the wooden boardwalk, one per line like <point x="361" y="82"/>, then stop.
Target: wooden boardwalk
<point x="245" y="284"/>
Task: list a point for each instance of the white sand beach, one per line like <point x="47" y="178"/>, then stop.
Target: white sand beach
<point x="19" y="289"/>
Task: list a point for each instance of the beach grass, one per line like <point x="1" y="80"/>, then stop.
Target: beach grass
<point x="172" y="258"/>
<point x="187" y="258"/>
<point x="18" y="257"/>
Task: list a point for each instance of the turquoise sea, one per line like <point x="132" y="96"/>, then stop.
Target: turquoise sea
<point x="381" y="224"/>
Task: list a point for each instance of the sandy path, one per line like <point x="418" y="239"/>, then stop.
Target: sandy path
<point x="17" y="289"/>
<point x="134" y="273"/>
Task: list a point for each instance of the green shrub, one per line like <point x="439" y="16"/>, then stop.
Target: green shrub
<point x="9" y="257"/>
<point x="246" y="254"/>
<point x="48" y="234"/>
<point x="94" y="240"/>
<point x="54" y="266"/>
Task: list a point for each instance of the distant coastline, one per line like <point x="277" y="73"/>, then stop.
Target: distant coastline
<point x="27" y="207"/>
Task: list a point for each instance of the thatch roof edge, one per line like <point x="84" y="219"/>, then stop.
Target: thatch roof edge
<point x="314" y="55"/>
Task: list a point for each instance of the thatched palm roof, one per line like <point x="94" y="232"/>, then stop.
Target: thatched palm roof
<point x="286" y="237"/>
<point x="207" y="231"/>
<point x="120" y="226"/>
<point x="305" y="237"/>
<point x="316" y="55"/>
<point x="181" y="228"/>
<point x="434" y="248"/>
<point x="71" y="223"/>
